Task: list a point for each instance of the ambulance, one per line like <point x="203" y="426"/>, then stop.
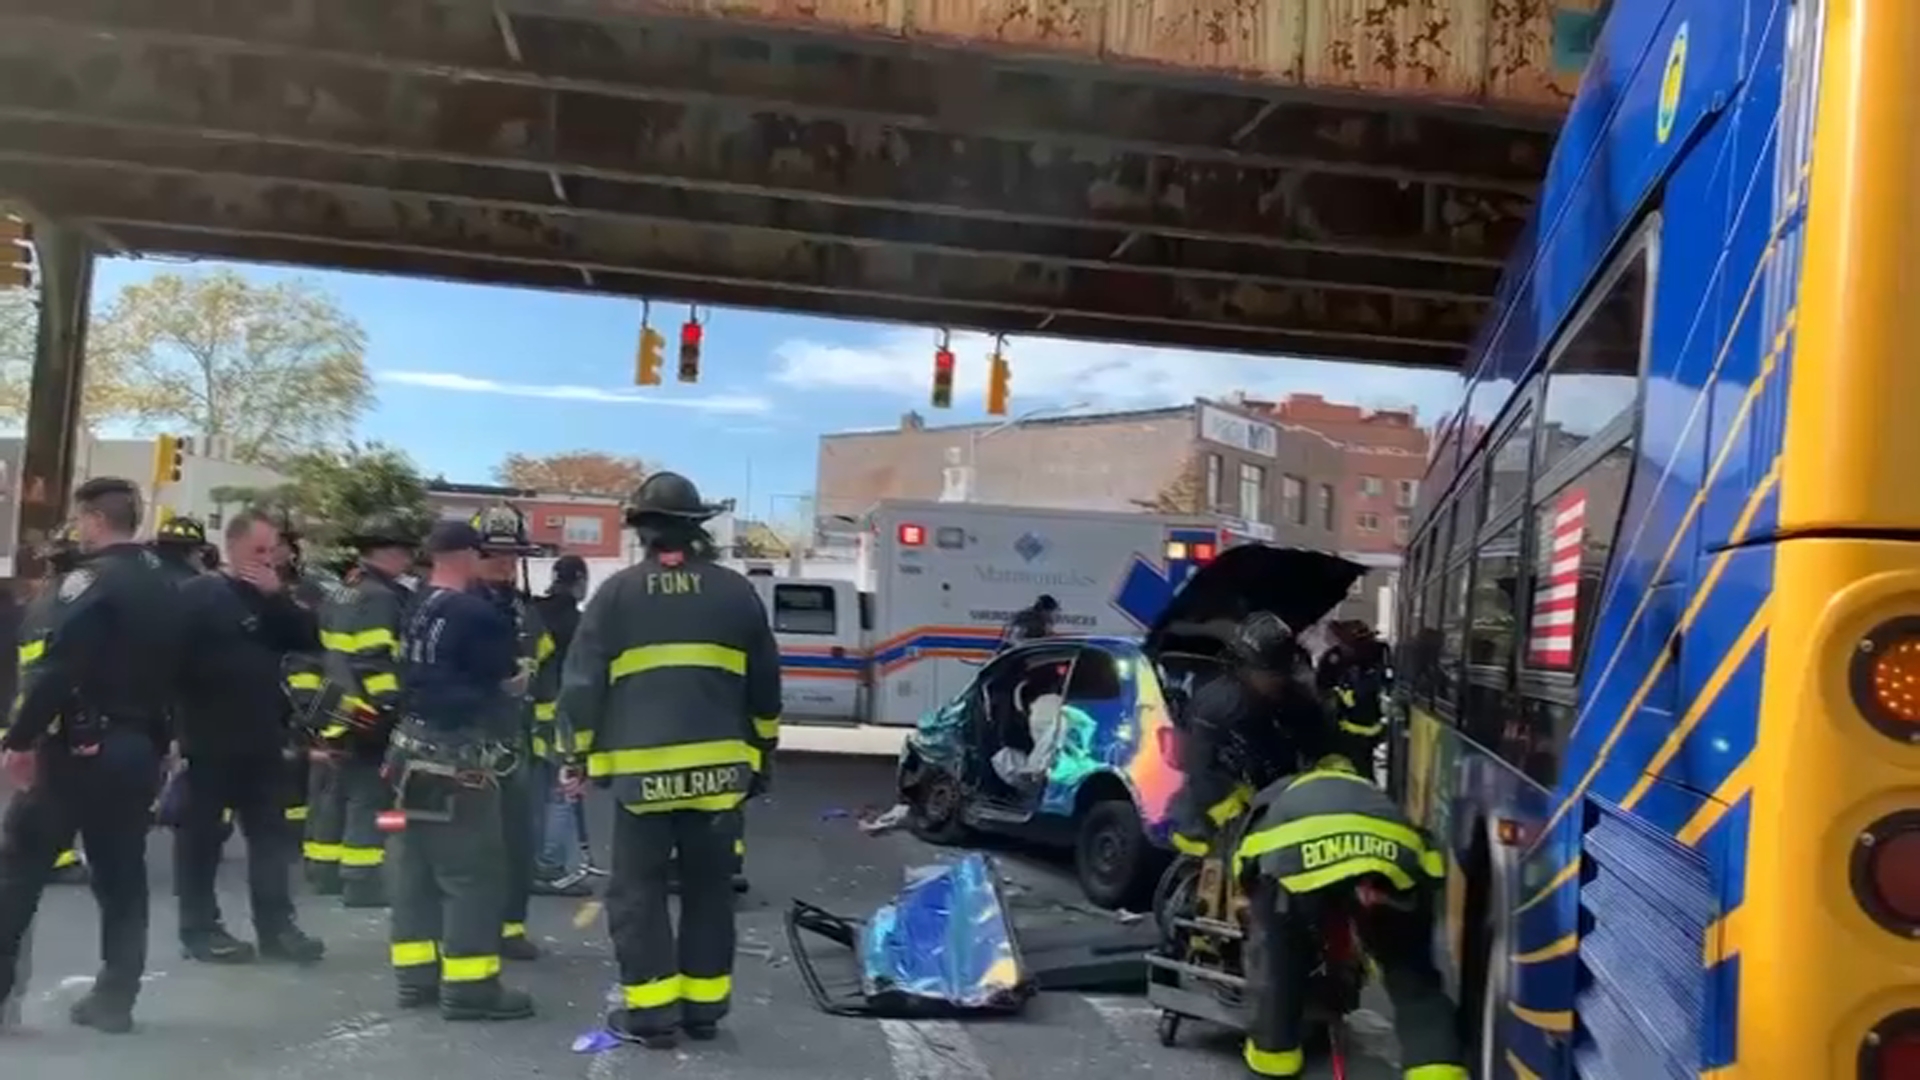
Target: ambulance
<point x="935" y="585"/>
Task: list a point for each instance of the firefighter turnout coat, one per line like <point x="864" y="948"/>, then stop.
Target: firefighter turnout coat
<point x="672" y="686"/>
<point x="360" y="639"/>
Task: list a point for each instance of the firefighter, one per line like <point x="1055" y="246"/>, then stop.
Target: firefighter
<point x="1326" y="844"/>
<point x="461" y="674"/>
<point x="1352" y="679"/>
<point x="503" y="538"/>
<point x="1239" y="728"/>
<point x="560" y="858"/>
<point x="673" y="681"/>
<point x="359" y="636"/>
<point x="62" y="556"/>
<point x="180" y="542"/>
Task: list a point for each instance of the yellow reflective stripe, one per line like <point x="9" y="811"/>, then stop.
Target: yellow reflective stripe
<point x="318" y="852"/>
<point x="1434" y="863"/>
<point x="1274" y="1062"/>
<point x="468" y="969"/>
<point x="1437" y="1072"/>
<point x="296" y="813"/>
<point x="1321" y="826"/>
<point x="712" y="804"/>
<point x="67" y="858"/>
<point x="767" y="728"/>
<point x="362" y="856"/>
<point x="380" y="684"/>
<point x="1187" y="845"/>
<point x="706" y="991"/>
<point x="652" y="995"/>
<point x="1346" y="697"/>
<point x="1360" y="729"/>
<point x="1334" y="873"/>
<point x="582" y="741"/>
<point x="513" y="929"/>
<point x="698" y="755"/>
<point x="1331" y="767"/>
<point x="740" y="848"/>
<point x="32" y="650"/>
<point x="226" y="817"/>
<point x="378" y="639"/>
<point x="1230" y="807"/>
<point x="544" y="647"/>
<point x="305" y="680"/>
<point x="333" y="731"/>
<point x="414" y="953"/>
<point x="651" y="657"/>
<point x="545" y="710"/>
<point x="540" y="747"/>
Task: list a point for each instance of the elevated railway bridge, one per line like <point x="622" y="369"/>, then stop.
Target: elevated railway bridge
<point x="1329" y="178"/>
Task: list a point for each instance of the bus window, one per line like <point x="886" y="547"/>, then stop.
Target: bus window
<point x="1453" y="630"/>
<point x="1507" y="480"/>
<point x="1594" y="381"/>
<point x="1495" y="614"/>
<point x="803" y="609"/>
<point x="1466" y="513"/>
<point x="1574" y="531"/>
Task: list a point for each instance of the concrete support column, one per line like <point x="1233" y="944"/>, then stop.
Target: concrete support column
<point x="65" y="258"/>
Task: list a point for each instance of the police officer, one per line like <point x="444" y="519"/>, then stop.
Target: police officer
<point x="559" y="858"/>
<point x="110" y="669"/>
<point x="180" y="542"/>
<point x="62" y="556"/>
<point x="461" y="672"/>
<point x="1328" y="843"/>
<point x="1239" y="728"/>
<point x="503" y="537"/>
<point x="674" y="682"/>
<point x="359" y="638"/>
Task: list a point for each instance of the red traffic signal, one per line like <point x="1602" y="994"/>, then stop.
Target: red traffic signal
<point x="691" y="335"/>
<point x="942" y="378"/>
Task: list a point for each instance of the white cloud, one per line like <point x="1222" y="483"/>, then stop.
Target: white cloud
<point x="467" y="384"/>
<point x="1054" y="371"/>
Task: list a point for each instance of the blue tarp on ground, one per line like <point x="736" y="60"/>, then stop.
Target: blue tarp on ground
<point x="944" y="939"/>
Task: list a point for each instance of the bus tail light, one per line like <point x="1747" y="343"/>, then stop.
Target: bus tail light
<point x="912" y="535"/>
<point x="1884" y="678"/>
<point x="1886" y="873"/>
<point x="1891" y="1051"/>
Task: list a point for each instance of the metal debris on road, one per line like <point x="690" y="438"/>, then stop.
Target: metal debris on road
<point x="892" y="819"/>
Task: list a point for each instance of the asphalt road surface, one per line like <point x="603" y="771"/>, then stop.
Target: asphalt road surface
<point x="337" y="1020"/>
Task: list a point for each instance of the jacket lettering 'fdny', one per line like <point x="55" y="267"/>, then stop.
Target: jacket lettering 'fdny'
<point x="1330" y="825"/>
<point x="672" y="686"/>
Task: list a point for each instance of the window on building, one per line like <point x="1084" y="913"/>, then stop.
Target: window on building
<point x="581" y="529"/>
<point x="1213" y="483"/>
<point x="1369" y="485"/>
<point x="1327" y="518"/>
<point x="1401" y="523"/>
<point x="1593" y="381"/>
<point x="1253" y="492"/>
<point x="1293" y="500"/>
<point x="803" y="609"/>
<point x="1406" y="493"/>
<point x="1368" y="522"/>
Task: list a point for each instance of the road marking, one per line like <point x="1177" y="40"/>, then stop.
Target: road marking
<point x="1128" y="1017"/>
<point x="931" y="1050"/>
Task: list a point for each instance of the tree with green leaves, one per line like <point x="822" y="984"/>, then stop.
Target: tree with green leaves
<point x="329" y="492"/>
<point x="273" y="371"/>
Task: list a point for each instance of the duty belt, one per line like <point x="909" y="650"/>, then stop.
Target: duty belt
<point x="457" y="755"/>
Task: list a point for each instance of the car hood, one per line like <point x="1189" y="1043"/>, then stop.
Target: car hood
<point x="1299" y="585"/>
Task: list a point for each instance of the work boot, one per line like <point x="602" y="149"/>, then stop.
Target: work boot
<point x="653" y="1038"/>
<point x="325" y="878"/>
<point x="518" y="947"/>
<point x="701" y="1031"/>
<point x="417" y="997"/>
<point x="363" y="892"/>
<point x="574" y="884"/>
<point x="289" y="945"/>
<point x="494" y="1002"/>
<point x="740" y="883"/>
<point x="96" y="1012"/>
<point x="216" y="946"/>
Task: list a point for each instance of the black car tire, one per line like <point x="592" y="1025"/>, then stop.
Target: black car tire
<point x="934" y="808"/>
<point x="1117" y="865"/>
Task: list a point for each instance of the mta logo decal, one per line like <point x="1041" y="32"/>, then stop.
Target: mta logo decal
<point x="1029" y="547"/>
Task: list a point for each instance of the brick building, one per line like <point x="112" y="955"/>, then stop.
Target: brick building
<point x="585" y="525"/>
<point x="1385" y="456"/>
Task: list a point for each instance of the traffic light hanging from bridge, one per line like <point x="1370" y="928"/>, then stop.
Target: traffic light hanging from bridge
<point x="999" y="376"/>
<point x="691" y="334"/>
<point x="16" y="253"/>
<point x="649" y="359"/>
<point x="943" y="372"/>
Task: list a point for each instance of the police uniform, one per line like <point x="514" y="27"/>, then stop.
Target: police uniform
<point x="445" y="764"/>
<point x="63" y="555"/>
<point x="674" y="681"/>
<point x="359" y="638"/>
<point x="1309" y="840"/>
<point x="93" y="707"/>
<point x="558" y="824"/>
<point x="503" y="535"/>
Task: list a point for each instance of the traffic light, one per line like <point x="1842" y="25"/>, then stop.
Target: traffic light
<point x="690" y="335"/>
<point x="943" y="375"/>
<point x="169" y="460"/>
<point x="999" y="374"/>
<point x="16" y="256"/>
<point x="646" y="366"/>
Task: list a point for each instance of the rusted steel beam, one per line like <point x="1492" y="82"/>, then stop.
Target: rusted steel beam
<point x="167" y="240"/>
<point x="824" y="80"/>
<point x="671" y="249"/>
<point x="322" y="105"/>
<point x="43" y="144"/>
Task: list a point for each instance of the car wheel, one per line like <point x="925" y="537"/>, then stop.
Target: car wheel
<point x="934" y="808"/>
<point x="1116" y="864"/>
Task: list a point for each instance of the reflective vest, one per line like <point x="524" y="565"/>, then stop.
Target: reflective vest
<point x="1330" y="825"/>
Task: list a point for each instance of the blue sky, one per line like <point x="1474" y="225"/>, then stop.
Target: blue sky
<point x="467" y="374"/>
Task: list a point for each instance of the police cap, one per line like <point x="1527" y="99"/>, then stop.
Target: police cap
<point x="182" y="530"/>
<point x="382" y="531"/>
<point x="668" y="494"/>
<point x="569" y="569"/>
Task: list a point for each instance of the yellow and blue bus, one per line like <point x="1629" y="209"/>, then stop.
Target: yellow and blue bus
<point x="1660" y="625"/>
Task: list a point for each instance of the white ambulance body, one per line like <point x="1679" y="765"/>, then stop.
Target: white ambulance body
<point x="936" y="585"/>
